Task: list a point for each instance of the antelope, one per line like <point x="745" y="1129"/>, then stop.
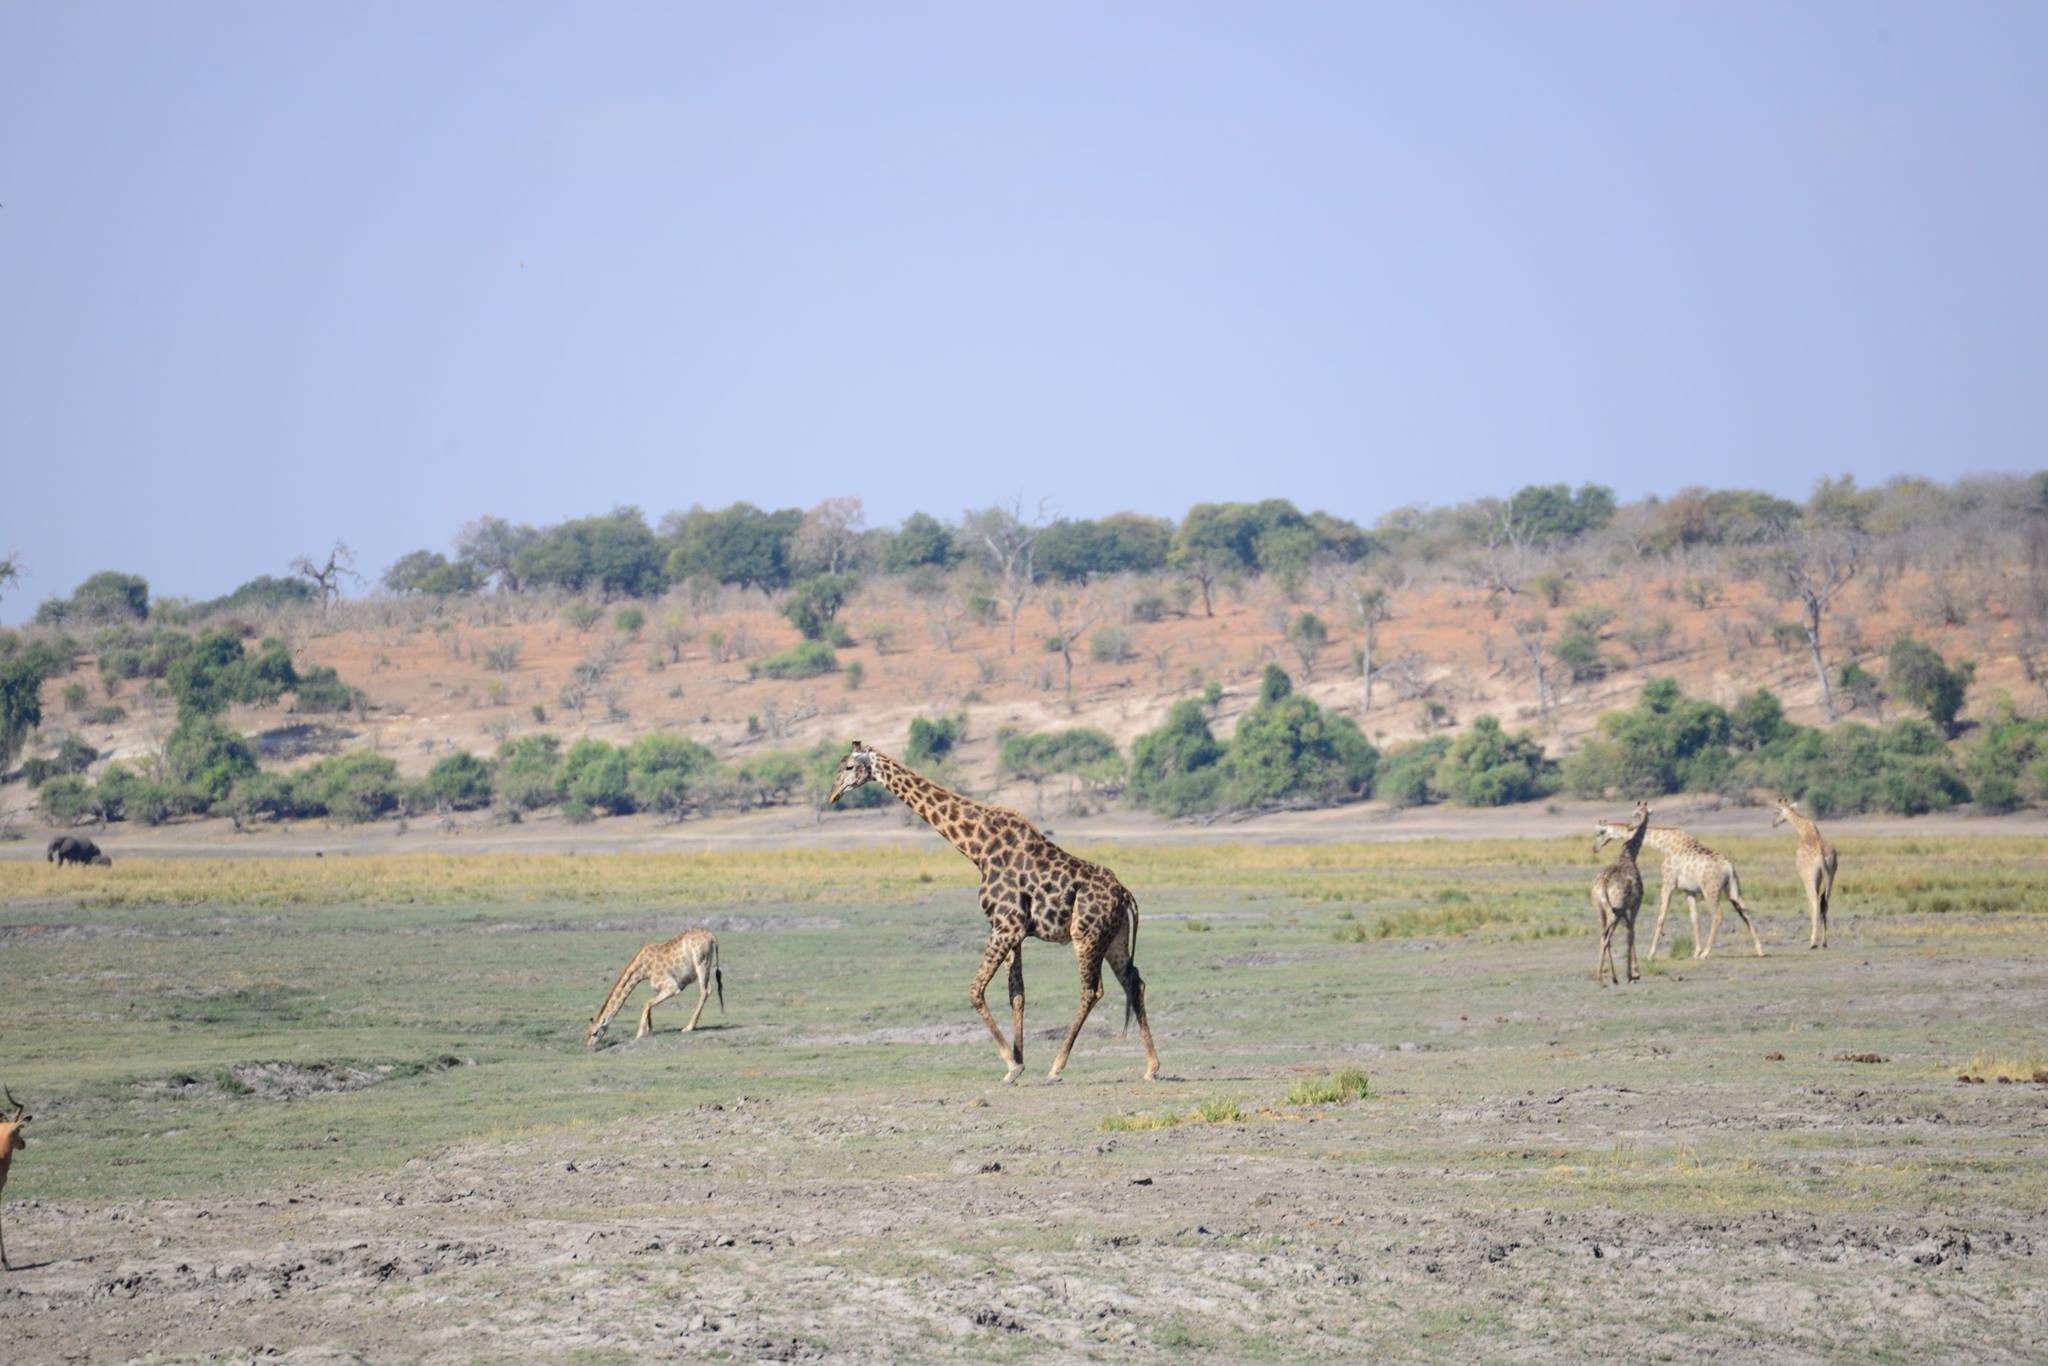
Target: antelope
<point x="11" y="1142"/>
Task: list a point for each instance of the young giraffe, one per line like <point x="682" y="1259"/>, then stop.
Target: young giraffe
<point x="1618" y="895"/>
<point x="1030" y="887"/>
<point x="1694" y="869"/>
<point x="12" y="1141"/>
<point x="691" y="956"/>
<point x="1816" y="860"/>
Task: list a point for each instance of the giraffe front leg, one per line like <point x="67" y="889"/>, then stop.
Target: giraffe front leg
<point x="1713" y="928"/>
<point x="1089" y="952"/>
<point x="1663" y="909"/>
<point x="1017" y="1006"/>
<point x="647" y="1011"/>
<point x="1000" y="946"/>
<point x="1813" y="939"/>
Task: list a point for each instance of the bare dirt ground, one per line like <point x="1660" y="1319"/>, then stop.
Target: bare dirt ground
<point x="1686" y="1168"/>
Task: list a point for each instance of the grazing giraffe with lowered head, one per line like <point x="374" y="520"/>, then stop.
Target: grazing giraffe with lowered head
<point x="1030" y="888"/>
<point x="668" y="967"/>
<point x="1694" y="869"/>
<point x="1618" y="895"/>
<point x="1816" y="861"/>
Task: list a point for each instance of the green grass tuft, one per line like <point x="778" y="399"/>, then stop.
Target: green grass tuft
<point x="1347" y="1085"/>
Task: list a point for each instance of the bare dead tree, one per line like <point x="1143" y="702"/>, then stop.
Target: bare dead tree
<point x="1061" y="641"/>
<point x="1809" y="568"/>
<point x="830" y="534"/>
<point x="326" y="578"/>
<point x="1371" y="604"/>
<point x="1010" y="542"/>
<point x="1530" y="631"/>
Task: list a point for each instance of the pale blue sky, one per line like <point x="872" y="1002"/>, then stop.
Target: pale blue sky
<point x="273" y="274"/>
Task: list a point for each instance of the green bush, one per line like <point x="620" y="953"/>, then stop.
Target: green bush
<point x="629" y="620"/>
<point x="1407" y="773"/>
<point x="1919" y="676"/>
<point x="460" y="781"/>
<point x="1288" y="749"/>
<point x="1667" y="742"/>
<point x="1488" y="767"/>
<point x="265" y="796"/>
<point x="661" y="769"/>
<point x="813" y="604"/>
<point x="1903" y="769"/>
<point x="529" y="773"/>
<point x="2007" y="761"/>
<point x="204" y="759"/>
<point x="321" y="691"/>
<point x="934" y="738"/>
<point x="357" y="786"/>
<point x="72" y="756"/>
<point x="1082" y="752"/>
<point x="1178" y="768"/>
<point x="66" y="799"/>
<point x="807" y="659"/>
<point x="1109" y="645"/>
<point x="594" y="776"/>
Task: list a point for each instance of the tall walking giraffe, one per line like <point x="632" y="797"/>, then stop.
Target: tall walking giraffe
<point x="1030" y="888"/>
<point x="1816" y="861"/>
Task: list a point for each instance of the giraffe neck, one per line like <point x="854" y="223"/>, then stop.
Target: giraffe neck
<point x="1809" y="833"/>
<point x="955" y="817"/>
<point x="631" y="977"/>
<point x="1633" y="845"/>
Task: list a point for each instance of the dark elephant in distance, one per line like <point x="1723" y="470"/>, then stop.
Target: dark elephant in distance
<point x="71" y="849"/>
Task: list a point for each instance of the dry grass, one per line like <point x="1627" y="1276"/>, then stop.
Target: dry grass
<point x="2030" y="1067"/>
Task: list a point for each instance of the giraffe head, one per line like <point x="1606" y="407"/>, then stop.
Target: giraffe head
<point x="856" y="768"/>
<point x="1605" y="832"/>
<point x="11" y="1138"/>
<point x="1782" y="810"/>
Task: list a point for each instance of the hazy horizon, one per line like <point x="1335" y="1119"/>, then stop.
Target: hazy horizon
<point x="278" y="277"/>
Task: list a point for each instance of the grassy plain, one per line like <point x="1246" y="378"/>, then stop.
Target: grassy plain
<point x="275" y="1095"/>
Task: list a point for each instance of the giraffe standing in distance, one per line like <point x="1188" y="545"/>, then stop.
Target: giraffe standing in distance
<point x="1816" y="861"/>
<point x="1618" y="895"/>
<point x="668" y="967"/>
<point x="1694" y="869"/>
<point x="1030" y="888"/>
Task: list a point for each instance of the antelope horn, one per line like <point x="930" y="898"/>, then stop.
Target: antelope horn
<point x="18" y="1106"/>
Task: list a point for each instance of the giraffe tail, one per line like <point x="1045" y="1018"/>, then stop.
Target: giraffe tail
<point x="1734" y="884"/>
<point x="1131" y="956"/>
<point x="718" y="976"/>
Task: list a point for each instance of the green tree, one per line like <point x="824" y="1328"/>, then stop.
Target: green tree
<point x="529" y="772"/>
<point x="922" y="540"/>
<point x="934" y="738"/>
<point x="813" y="605"/>
<point x="111" y="596"/>
<point x="1178" y="768"/>
<point x="205" y="758"/>
<point x="1407" y="775"/>
<point x="1920" y="676"/>
<point x="1289" y="749"/>
<point x="460" y="782"/>
<point x="739" y="545"/>
<point x="662" y="769"/>
<point x="21" y="703"/>
<point x="595" y="777"/>
<point x="1488" y="767"/>
<point x="210" y="677"/>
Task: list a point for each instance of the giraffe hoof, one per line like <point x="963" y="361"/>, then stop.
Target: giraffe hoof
<point x="1052" y="1078"/>
<point x="1010" y="1077"/>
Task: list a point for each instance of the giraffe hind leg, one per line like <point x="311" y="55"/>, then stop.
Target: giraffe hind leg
<point x="1017" y="1005"/>
<point x="1747" y="923"/>
<point x="1692" y="908"/>
<point x="703" y="995"/>
<point x="1126" y="969"/>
